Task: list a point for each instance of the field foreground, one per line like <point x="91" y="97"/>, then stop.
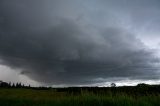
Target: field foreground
<point x="118" y="96"/>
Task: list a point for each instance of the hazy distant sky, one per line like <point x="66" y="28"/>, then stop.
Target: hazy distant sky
<point x="80" y="42"/>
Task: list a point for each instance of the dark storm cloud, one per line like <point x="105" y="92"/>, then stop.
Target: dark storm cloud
<point x="59" y="42"/>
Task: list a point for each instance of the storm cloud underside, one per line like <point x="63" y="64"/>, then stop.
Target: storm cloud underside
<point x="74" y="42"/>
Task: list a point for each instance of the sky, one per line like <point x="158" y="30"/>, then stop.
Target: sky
<point x="80" y="42"/>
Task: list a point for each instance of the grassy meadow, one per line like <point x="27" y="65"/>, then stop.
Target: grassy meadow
<point x="118" y="96"/>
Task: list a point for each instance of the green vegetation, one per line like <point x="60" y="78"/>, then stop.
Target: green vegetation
<point x="118" y="96"/>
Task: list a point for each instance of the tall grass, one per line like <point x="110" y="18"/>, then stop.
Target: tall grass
<point x="30" y="97"/>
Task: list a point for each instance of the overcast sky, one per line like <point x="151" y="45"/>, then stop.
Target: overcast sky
<point x="80" y="42"/>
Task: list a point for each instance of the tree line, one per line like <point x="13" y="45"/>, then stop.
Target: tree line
<point x="13" y="85"/>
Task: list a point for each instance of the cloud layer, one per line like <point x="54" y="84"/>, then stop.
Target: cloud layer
<point x="59" y="42"/>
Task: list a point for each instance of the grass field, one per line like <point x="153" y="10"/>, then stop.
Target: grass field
<point x="54" y="97"/>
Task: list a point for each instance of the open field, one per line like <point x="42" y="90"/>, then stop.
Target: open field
<point x="118" y="96"/>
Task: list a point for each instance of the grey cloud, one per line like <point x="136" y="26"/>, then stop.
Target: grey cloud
<point x="143" y="15"/>
<point x="52" y="46"/>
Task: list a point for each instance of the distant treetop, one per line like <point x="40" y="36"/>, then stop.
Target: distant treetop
<point x="113" y="85"/>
